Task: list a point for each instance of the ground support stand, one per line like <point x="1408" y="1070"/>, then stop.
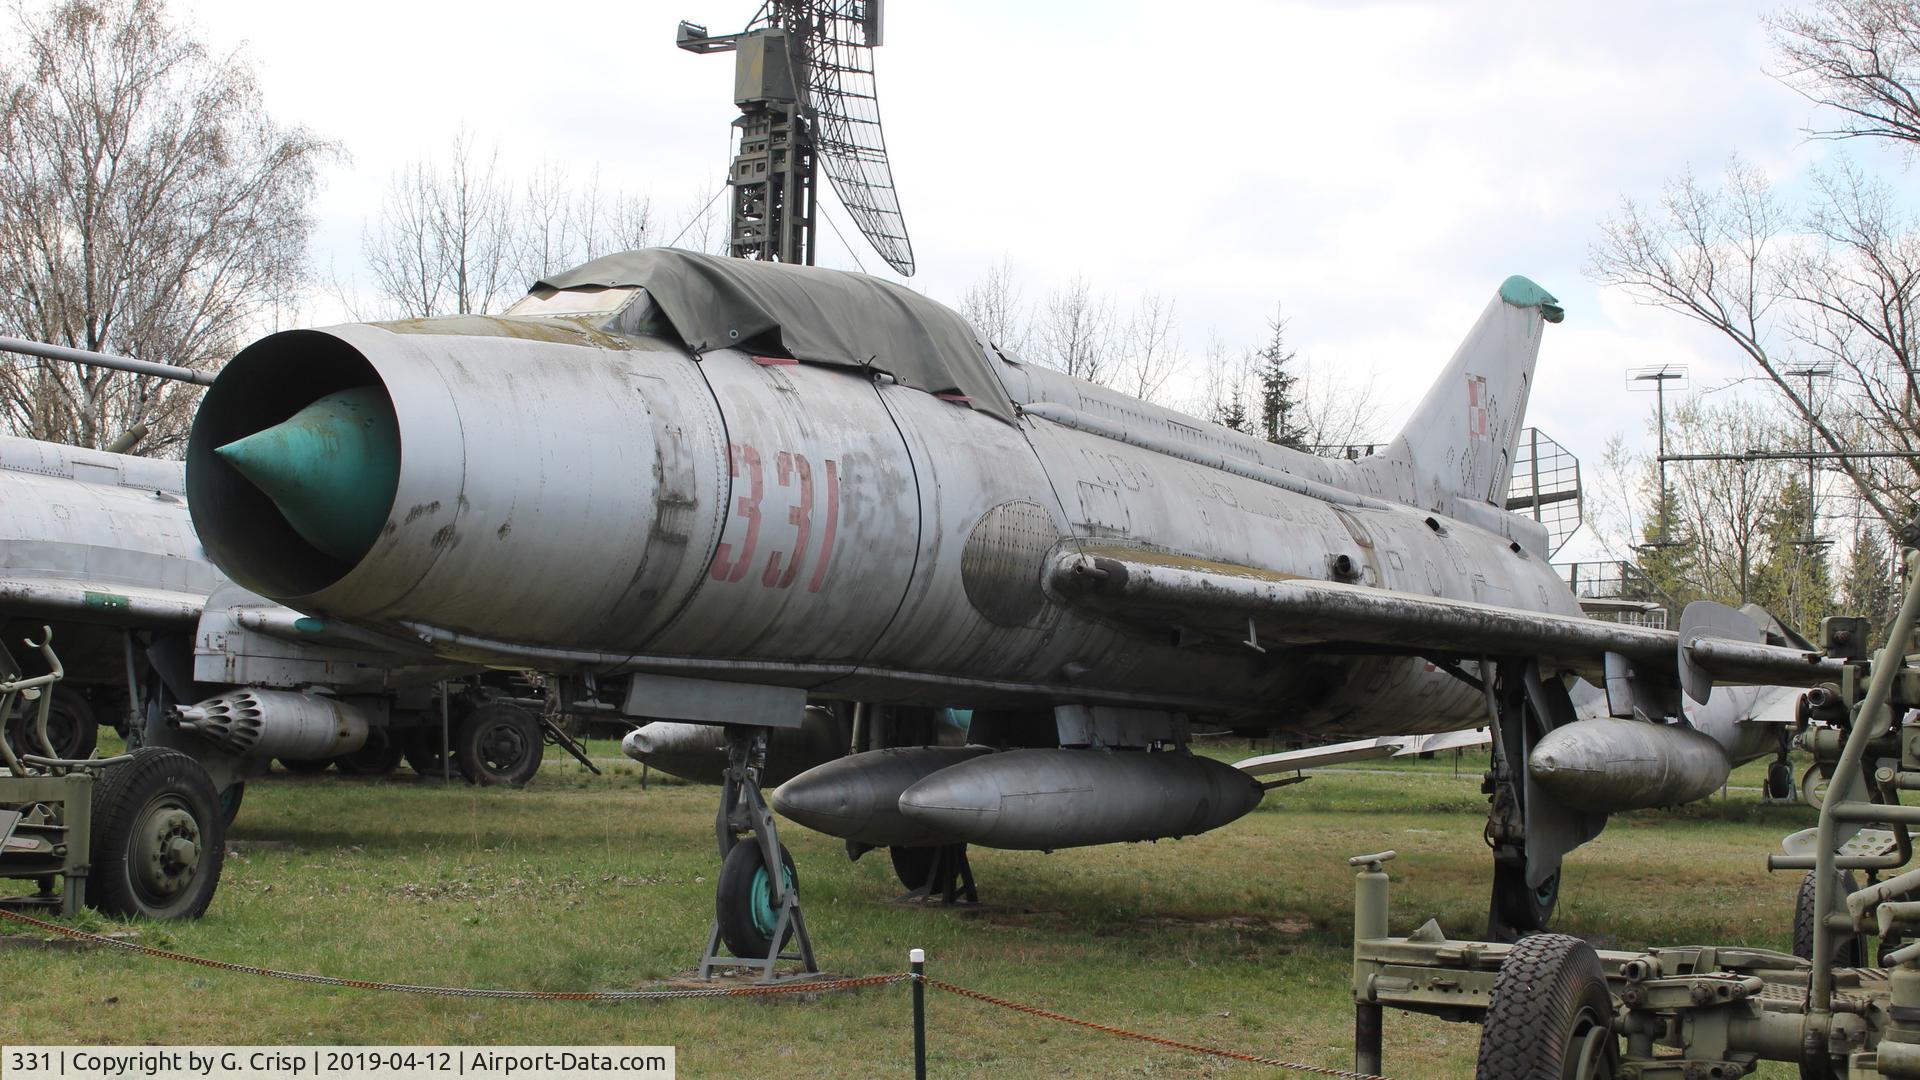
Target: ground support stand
<point x="744" y="817"/>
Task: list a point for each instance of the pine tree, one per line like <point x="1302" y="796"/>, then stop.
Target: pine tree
<point x="1233" y="412"/>
<point x="1666" y="559"/>
<point x="1792" y="579"/>
<point x="1867" y="587"/>
<point x="1280" y="420"/>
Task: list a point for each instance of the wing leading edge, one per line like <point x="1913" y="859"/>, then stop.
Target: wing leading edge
<point x="1168" y="593"/>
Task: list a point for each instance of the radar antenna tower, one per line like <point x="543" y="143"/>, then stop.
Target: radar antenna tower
<point x="803" y="79"/>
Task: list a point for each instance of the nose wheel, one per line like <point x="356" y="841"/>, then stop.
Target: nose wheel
<point x="757" y="901"/>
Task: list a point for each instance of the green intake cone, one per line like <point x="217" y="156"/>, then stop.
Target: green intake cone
<point x="331" y="468"/>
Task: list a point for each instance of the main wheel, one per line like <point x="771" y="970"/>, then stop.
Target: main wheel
<point x="1518" y="906"/>
<point x="913" y="865"/>
<point x="230" y="799"/>
<point x="158" y="840"/>
<point x="1779" y="781"/>
<point x="378" y="756"/>
<point x="421" y="747"/>
<point x="1549" y="1016"/>
<point x="498" y="744"/>
<point x="71" y="726"/>
<point x="1846" y="949"/>
<point x="743" y="903"/>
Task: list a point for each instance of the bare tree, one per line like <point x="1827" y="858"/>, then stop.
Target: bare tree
<point x="1859" y="58"/>
<point x="995" y="306"/>
<point x="443" y="243"/>
<point x="460" y="238"/>
<point x="1724" y="258"/>
<point x="1335" y="413"/>
<point x="547" y="231"/>
<point x="1076" y="331"/>
<point x="148" y="206"/>
<point x="556" y="226"/>
<point x="704" y="225"/>
<point x="623" y="221"/>
<point x="1150" y="354"/>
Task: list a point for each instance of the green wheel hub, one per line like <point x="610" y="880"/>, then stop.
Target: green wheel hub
<point x="760" y="899"/>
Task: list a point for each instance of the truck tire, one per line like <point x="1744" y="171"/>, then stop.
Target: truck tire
<point x="498" y="744"/>
<point x="1550" y="1016"/>
<point x="71" y="726"/>
<point x="158" y="838"/>
<point x="1846" y="951"/>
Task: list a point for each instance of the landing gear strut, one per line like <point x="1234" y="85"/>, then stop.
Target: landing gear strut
<point x="1527" y="830"/>
<point x="757" y="900"/>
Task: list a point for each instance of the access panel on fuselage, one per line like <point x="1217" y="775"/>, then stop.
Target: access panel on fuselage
<point x="822" y="517"/>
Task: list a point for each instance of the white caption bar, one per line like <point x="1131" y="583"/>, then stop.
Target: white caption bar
<point x="359" y="1062"/>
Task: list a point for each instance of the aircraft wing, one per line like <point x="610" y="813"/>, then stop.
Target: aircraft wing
<point x="1170" y="593"/>
<point x="29" y="596"/>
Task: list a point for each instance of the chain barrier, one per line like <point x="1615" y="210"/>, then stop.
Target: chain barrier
<point x="667" y="995"/>
<point x="456" y="991"/>
<point x="1211" y="1051"/>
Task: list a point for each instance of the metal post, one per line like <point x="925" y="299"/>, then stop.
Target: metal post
<point x="1366" y="1038"/>
<point x="446" y="740"/>
<point x="1660" y="399"/>
<point x="917" y="960"/>
<point x="1369" y="923"/>
<point x="1812" y="533"/>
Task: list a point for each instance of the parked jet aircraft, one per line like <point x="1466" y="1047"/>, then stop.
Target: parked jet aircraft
<point x="731" y="486"/>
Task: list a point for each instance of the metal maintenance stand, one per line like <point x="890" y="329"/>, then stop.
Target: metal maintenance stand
<point x="744" y="811"/>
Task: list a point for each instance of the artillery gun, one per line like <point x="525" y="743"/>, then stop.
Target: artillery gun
<point x="1550" y="1004"/>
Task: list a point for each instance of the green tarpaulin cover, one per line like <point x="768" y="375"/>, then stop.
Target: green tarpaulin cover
<point x="811" y="314"/>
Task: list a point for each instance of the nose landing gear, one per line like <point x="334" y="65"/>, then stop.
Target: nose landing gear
<point x="757" y="901"/>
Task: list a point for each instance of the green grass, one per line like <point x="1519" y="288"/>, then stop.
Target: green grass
<point x="1239" y="938"/>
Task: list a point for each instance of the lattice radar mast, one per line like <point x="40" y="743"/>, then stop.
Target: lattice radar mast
<point x="803" y="79"/>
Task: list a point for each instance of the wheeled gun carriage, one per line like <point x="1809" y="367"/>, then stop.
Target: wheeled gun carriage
<point x="137" y="834"/>
<point x="1551" y="1005"/>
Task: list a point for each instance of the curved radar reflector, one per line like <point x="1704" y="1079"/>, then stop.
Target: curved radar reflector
<point x="851" y="143"/>
<point x="331" y="468"/>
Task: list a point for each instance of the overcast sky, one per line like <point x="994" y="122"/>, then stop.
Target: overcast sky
<point x="1378" y="168"/>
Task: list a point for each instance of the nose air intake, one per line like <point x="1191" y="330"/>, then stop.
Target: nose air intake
<point x="331" y="469"/>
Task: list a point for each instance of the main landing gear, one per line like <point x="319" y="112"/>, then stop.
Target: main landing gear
<point x="756" y="906"/>
<point x="942" y="870"/>
<point x="1528" y="831"/>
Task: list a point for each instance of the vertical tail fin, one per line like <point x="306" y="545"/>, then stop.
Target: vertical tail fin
<point x="1461" y="438"/>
